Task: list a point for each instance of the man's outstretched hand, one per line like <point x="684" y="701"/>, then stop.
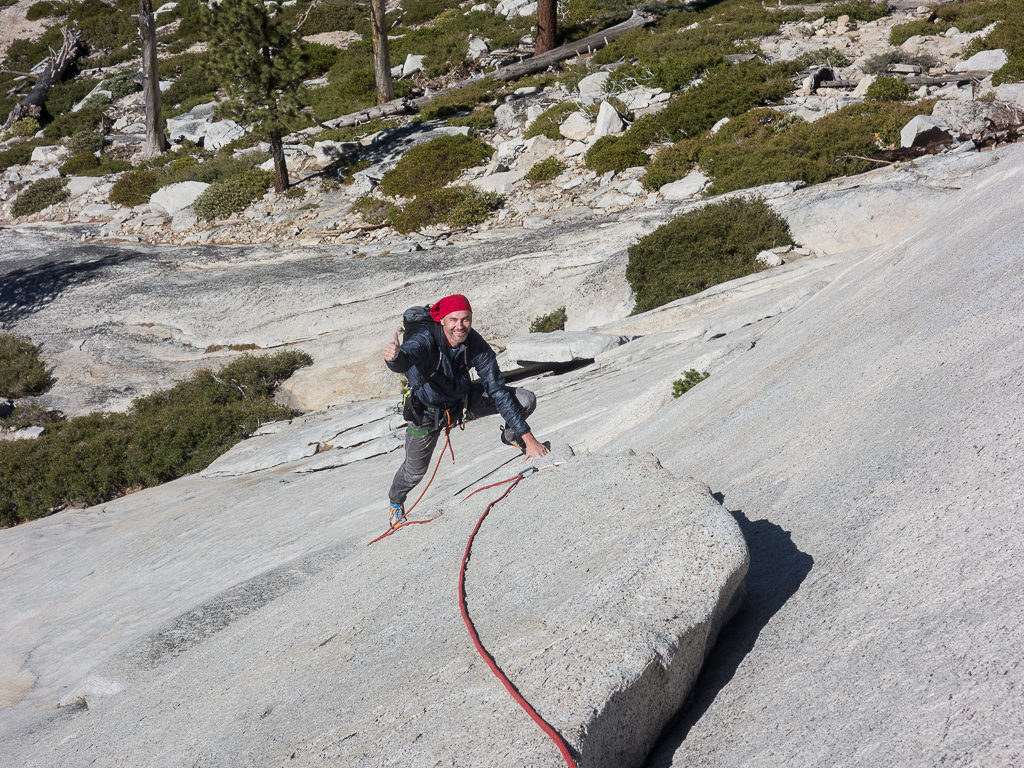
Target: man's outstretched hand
<point x="534" y="449"/>
<point x="391" y="349"/>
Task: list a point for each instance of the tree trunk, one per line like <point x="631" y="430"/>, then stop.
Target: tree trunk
<point x="62" y="61"/>
<point x="547" y="25"/>
<point x="381" y="58"/>
<point x="280" y="165"/>
<point x="155" y="141"/>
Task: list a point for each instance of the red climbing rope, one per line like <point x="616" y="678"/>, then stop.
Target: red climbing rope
<point x="554" y="735"/>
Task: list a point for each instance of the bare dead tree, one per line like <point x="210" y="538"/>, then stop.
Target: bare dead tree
<point x="155" y="140"/>
<point x="381" y="57"/>
<point x="60" y="63"/>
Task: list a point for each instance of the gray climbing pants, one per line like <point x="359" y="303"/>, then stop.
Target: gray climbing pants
<point x="419" y="448"/>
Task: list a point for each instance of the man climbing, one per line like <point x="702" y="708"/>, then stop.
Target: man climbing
<point x="436" y="358"/>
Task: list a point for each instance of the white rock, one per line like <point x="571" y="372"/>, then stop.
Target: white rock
<point x="477" y="48"/>
<point x="719" y="125"/>
<point x="576" y="127"/>
<point x="608" y="121"/>
<point x="28" y="433"/>
<point x="1012" y="93"/>
<point x="165" y="8"/>
<point x="769" y="259"/>
<point x="97" y="211"/>
<point x="561" y="346"/>
<point x="689" y="186"/>
<point x="505" y="117"/>
<point x="184" y="220"/>
<point x="575" y="149"/>
<point x="591" y="87"/>
<point x="862" y="86"/>
<point x="983" y="61"/>
<point x="186" y="128"/>
<point x="532" y="113"/>
<point x="413" y="64"/>
<point x="536" y="149"/>
<point x="921" y="130"/>
<point x="49" y="154"/>
<point x="485" y="7"/>
<point x="327" y="153"/>
<point x="79" y="185"/>
<point x="174" y="197"/>
<point x="222" y="133"/>
<point x="396" y="71"/>
<point x="498" y="182"/>
<point x="977" y="117"/>
<point x="512" y="8"/>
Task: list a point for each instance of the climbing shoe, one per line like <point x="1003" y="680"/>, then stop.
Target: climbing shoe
<point x="396" y="516"/>
<point x="510" y="438"/>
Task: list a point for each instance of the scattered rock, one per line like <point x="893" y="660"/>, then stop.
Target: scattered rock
<point x="984" y="61"/>
<point x="498" y="182"/>
<point x="536" y="149"/>
<point x="576" y="127"/>
<point x="477" y="48"/>
<point x="769" y="259"/>
<point x="922" y="130"/>
<point x="608" y="121"/>
<point x="174" y="197"/>
<point x="685" y="188"/>
<point x="413" y="64"/>
<point x="222" y="133"/>
<point x="512" y="8"/>
<point x="591" y="88"/>
<point x="975" y="118"/>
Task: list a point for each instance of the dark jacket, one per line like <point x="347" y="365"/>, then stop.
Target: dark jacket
<point x="427" y="349"/>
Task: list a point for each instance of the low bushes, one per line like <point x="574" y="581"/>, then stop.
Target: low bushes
<point x="691" y="378"/>
<point x="553" y="321"/>
<point x="234" y="194"/>
<point x="40" y="195"/>
<point x="545" y="170"/>
<point x="22" y="371"/>
<point x="121" y="85"/>
<point x="16" y="154"/>
<point x="887" y="89"/>
<point x="88" y="118"/>
<point x="547" y="122"/>
<point x="85" y="141"/>
<point x="702" y="248"/>
<point x="80" y="164"/>
<point x="134" y="187"/>
<point x="903" y="32"/>
<point x="433" y="163"/>
<point x="91" y="459"/>
<point x="64" y="95"/>
<point x="614" y="153"/>
<point x="23" y="128"/>
<point x="455" y="206"/>
<point x="480" y="119"/>
<point x="858" y="10"/>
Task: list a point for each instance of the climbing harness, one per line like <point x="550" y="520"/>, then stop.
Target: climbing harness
<point x="554" y="735"/>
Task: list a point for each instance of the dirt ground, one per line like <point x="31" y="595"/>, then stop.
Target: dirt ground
<point x="14" y="25"/>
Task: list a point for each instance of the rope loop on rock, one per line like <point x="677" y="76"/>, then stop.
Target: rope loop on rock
<point x="554" y="735"/>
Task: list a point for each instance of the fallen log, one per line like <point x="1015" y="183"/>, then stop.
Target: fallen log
<point x="60" y="63"/>
<point x="509" y="72"/>
<point x="943" y="79"/>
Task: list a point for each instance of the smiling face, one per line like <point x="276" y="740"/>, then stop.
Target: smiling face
<point x="456" y="326"/>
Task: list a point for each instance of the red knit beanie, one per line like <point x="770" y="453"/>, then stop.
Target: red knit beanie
<point x="454" y="303"/>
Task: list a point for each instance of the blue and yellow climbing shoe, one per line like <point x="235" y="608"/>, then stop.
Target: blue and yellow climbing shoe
<point x="396" y="516"/>
<point x="510" y="438"/>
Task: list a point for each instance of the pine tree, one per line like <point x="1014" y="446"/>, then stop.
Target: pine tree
<point x="260" y="66"/>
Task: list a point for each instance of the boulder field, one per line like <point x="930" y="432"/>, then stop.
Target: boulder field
<point x="855" y="452"/>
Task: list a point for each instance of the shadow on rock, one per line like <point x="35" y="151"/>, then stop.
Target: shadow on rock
<point x="777" y="568"/>
<point x="29" y="288"/>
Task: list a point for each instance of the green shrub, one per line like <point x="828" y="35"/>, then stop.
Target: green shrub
<point x="30" y="415"/>
<point x="232" y="195"/>
<point x="374" y="210"/>
<point x="455" y="206"/>
<point x="1008" y="33"/>
<point x="120" y="85"/>
<point x="554" y="321"/>
<point x="80" y="164"/>
<point x="702" y="248"/>
<point x="106" y="27"/>
<point x="27" y="126"/>
<point x="63" y="96"/>
<point x="480" y="119"/>
<point x="40" y="195"/>
<point x="194" y="82"/>
<point x="547" y="122"/>
<point x="85" y="141"/>
<point x="614" y="153"/>
<point x="545" y="170"/>
<point x="44" y="9"/>
<point x="336" y="15"/>
<point x="22" y="371"/>
<point x="135" y="187"/>
<point x="903" y="32"/>
<point x="671" y="163"/>
<point x="459" y="100"/>
<point x="16" y="154"/>
<point x="434" y="163"/>
<point x="857" y="10"/>
<point x="691" y="378"/>
<point x="887" y="89"/>
<point x="765" y="146"/>
<point x="95" y="458"/>
<point x="822" y="57"/>
<point x="88" y="118"/>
